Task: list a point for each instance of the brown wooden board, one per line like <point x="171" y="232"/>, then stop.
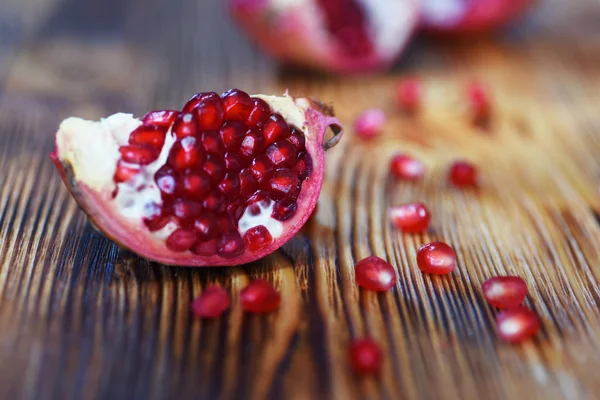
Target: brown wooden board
<point x="81" y="318"/>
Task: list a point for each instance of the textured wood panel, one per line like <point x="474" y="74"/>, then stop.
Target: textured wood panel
<point x="81" y="318"/>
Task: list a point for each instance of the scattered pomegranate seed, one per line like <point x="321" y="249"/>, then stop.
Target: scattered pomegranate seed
<point x="365" y="356"/>
<point x="369" y="124"/>
<point x="408" y="94"/>
<point x="374" y="273"/>
<point x="436" y="258"/>
<point x="479" y="102"/>
<point x="410" y="218"/>
<point x="505" y="291"/>
<point x="212" y="303"/>
<point x="463" y="174"/>
<point x="517" y="324"/>
<point x="407" y="168"/>
<point x="260" y="297"/>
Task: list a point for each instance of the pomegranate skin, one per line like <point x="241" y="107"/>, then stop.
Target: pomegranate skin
<point x="134" y="235"/>
<point x="296" y="32"/>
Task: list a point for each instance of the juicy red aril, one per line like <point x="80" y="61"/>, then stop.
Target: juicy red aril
<point x="248" y="184"/>
<point x="479" y="102"/>
<point x="275" y="129"/>
<point x="374" y="273"/>
<point x="161" y="118"/>
<point x="369" y="124"/>
<point x="365" y="356"/>
<point x="206" y="227"/>
<point x="230" y="186"/>
<point x="138" y="154"/>
<point x="210" y="114"/>
<point x="407" y="168"/>
<point x="284" y="184"/>
<point x="214" y="202"/>
<point x="166" y="180"/>
<point x="230" y="244"/>
<point x="186" y="124"/>
<point x="212" y="143"/>
<point x="257" y="238"/>
<point x="282" y="154"/>
<point x="408" y="94"/>
<point x="253" y="143"/>
<point x="125" y="172"/>
<point x="207" y="248"/>
<point x="214" y="168"/>
<point x="284" y="209"/>
<point x="262" y="169"/>
<point x="410" y="218"/>
<point x="212" y="303"/>
<point x="505" y="291"/>
<point x="237" y="105"/>
<point x="260" y="297"/>
<point x="181" y="240"/>
<point x="232" y="133"/>
<point x="186" y="209"/>
<point x="235" y="209"/>
<point x="463" y="174"/>
<point x="259" y="113"/>
<point x="517" y="324"/>
<point x="436" y="258"/>
<point x="226" y="224"/>
<point x="195" y="185"/>
<point x="303" y="166"/>
<point x="346" y="21"/>
<point x="297" y="139"/>
<point x="158" y="222"/>
<point x="193" y="102"/>
<point x="233" y="162"/>
<point x="152" y="135"/>
<point x="186" y="153"/>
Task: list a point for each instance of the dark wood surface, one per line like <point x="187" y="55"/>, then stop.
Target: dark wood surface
<point x="82" y="319"/>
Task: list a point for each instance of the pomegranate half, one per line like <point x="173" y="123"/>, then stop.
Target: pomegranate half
<point x="340" y="36"/>
<point x="226" y="181"/>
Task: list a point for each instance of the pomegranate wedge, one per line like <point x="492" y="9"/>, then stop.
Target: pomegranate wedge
<point x="226" y="181"/>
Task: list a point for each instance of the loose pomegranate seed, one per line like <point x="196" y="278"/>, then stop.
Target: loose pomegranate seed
<point x="206" y="227"/>
<point x="161" y="118"/>
<point x="369" y="124"/>
<point x="282" y="154"/>
<point x="232" y="133"/>
<point x="253" y="143"/>
<point x="374" y="273"/>
<point x="410" y="218"/>
<point x="365" y="356"/>
<point x="517" y="324"/>
<point x="186" y="124"/>
<point x="463" y="174"/>
<point x="138" y="154"/>
<point x="284" y="184"/>
<point x="125" y="172"/>
<point x="212" y="143"/>
<point x="407" y="168"/>
<point x="257" y="238"/>
<point x="275" y="129"/>
<point x="408" y="94"/>
<point x="210" y="114"/>
<point x="260" y="297"/>
<point x="505" y="291"/>
<point x="212" y="303"/>
<point x="197" y="98"/>
<point x="479" y="102"/>
<point x="284" y="210"/>
<point x="237" y="105"/>
<point x="259" y="113"/>
<point x="181" y="240"/>
<point x="195" y="185"/>
<point x="153" y="135"/>
<point x="230" y="244"/>
<point x="186" y="153"/>
<point x="436" y="258"/>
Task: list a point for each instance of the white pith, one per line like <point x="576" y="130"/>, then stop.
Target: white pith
<point x="442" y="12"/>
<point x="91" y="148"/>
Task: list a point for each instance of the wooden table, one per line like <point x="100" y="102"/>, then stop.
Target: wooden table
<point x="81" y="318"/>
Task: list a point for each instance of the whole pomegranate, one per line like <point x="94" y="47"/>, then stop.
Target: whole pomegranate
<point x="342" y="36"/>
<point x="470" y="16"/>
<point x="225" y="181"/>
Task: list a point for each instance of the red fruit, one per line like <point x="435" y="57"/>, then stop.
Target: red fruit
<point x="196" y="203"/>
<point x="408" y="94"/>
<point x="365" y="356"/>
<point x="479" y="103"/>
<point x="410" y="218"/>
<point x="260" y="297"/>
<point x="468" y="17"/>
<point x="212" y="303"/>
<point x="339" y="36"/>
<point x="436" y="258"/>
<point x="517" y="324"/>
<point x="159" y="118"/>
<point x="505" y="291"/>
<point x="374" y="273"/>
<point x="369" y="124"/>
<point x="463" y="174"/>
<point x="210" y="114"/>
<point x="407" y="168"/>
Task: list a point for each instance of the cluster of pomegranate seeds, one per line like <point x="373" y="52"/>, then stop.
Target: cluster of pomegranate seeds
<point x="369" y="124"/>
<point x="410" y="218"/>
<point x="374" y="273"/>
<point x="517" y="324"/>
<point x="407" y="168"/>
<point x="408" y="94"/>
<point x="505" y="291"/>
<point x="211" y="303"/>
<point x="436" y="258"/>
<point x="345" y="20"/>
<point x="260" y="297"/>
<point x="365" y="356"/>
<point x="479" y="103"/>
<point x="231" y="152"/>
<point x="462" y="174"/>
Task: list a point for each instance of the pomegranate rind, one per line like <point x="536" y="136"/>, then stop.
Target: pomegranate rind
<point x="133" y="235"/>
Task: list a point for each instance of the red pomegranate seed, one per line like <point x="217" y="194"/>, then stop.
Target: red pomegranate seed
<point x="152" y="135"/>
<point x="207" y="248"/>
<point x="232" y="133"/>
<point x="260" y="297"/>
<point x="275" y="129"/>
<point x="158" y="222"/>
<point x="262" y="169"/>
<point x="298" y="140"/>
<point x="282" y="154"/>
<point x="230" y="244"/>
<point x="436" y="258"/>
<point x="226" y="224"/>
<point x="517" y="324"/>
<point x="253" y="143"/>
<point x="284" y="184"/>
<point x="214" y="202"/>
<point x="233" y="162"/>
<point x="161" y="118"/>
<point x="138" y="154"/>
<point x="505" y="291"/>
<point x="479" y="102"/>
<point x="237" y="105"/>
<point x="410" y="218"/>
<point x="206" y="226"/>
<point x="125" y="172"/>
<point x="463" y="174"/>
<point x="236" y="209"/>
<point x="166" y="180"/>
<point x="408" y="94"/>
<point x="248" y="183"/>
<point x="193" y="102"/>
<point x="195" y="185"/>
<point x="230" y="186"/>
<point x="186" y="124"/>
<point x="212" y="143"/>
<point x="186" y="209"/>
<point x="186" y="153"/>
<point x="374" y="273"/>
<point x="212" y="303"/>
<point x="304" y="166"/>
<point x="369" y="124"/>
<point x="210" y="114"/>
<point x="284" y="209"/>
<point x="257" y="238"/>
<point x="214" y="168"/>
<point x="365" y="356"/>
<point x="181" y="240"/>
<point x="259" y="113"/>
<point x="407" y="168"/>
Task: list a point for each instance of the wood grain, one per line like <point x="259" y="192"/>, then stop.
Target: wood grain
<point x="81" y="318"/>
